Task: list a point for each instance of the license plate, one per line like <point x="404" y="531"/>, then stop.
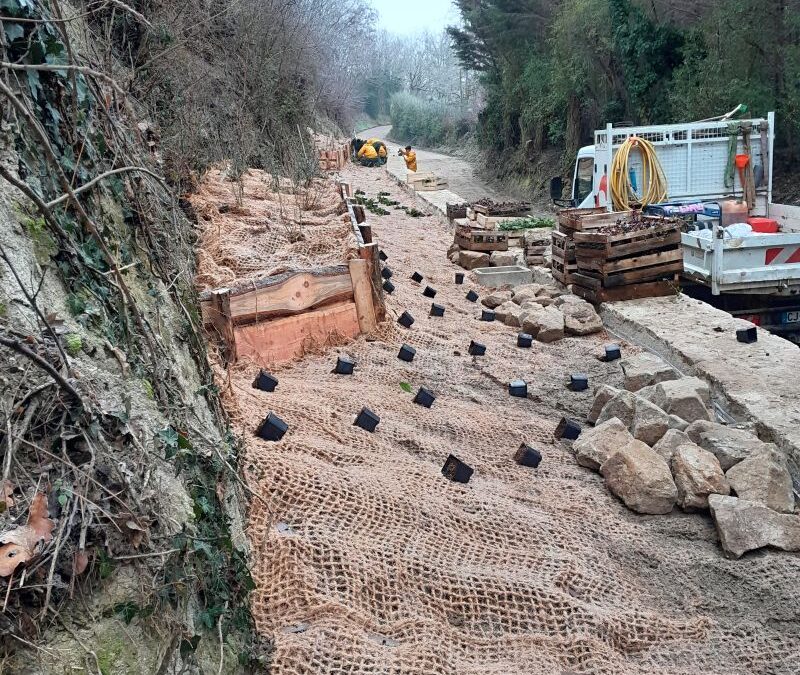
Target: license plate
<point x="791" y="317"/>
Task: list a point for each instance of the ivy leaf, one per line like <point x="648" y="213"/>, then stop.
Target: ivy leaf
<point x="34" y="84"/>
<point x="406" y="387"/>
<point x="14" y="31"/>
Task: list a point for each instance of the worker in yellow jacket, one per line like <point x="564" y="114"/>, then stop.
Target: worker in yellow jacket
<point x="410" y="157"/>
<point x="368" y="156"/>
<point x="380" y="148"/>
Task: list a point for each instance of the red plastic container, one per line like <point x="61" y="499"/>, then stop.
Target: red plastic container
<point x="763" y="225"/>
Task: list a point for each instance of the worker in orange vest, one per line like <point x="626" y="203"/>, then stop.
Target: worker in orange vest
<point x="411" y="158"/>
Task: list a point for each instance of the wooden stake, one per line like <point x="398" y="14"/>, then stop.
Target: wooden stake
<point x="362" y="292"/>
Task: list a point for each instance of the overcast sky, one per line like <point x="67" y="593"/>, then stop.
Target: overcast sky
<point x="406" y="17"/>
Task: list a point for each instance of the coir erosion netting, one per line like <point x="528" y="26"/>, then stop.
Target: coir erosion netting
<point x="263" y="225"/>
<point x="367" y="560"/>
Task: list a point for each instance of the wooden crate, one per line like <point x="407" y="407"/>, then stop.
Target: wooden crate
<point x="591" y="221"/>
<point x="456" y="211"/>
<point x="662" y="235"/>
<point x="563" y="271"/>
<point x="563" y="246"/>
<point x="637" y="264"/>
<point x="597" y="294"/>
<point x="473" y="239"/>
<point x="570" y="217"/>
<point x="512" y="209"/>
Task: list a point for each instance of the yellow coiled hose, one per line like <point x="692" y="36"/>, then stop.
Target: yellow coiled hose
<point x="653" y="183"/>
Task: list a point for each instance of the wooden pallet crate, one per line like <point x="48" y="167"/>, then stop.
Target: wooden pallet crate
<point x="661" y="236"/>
<point x="582" y="287"/>
<point x="473" y="239"/>
<point x="508" y="210"/>
<point x="590" y="222"/>
<point x="563" y="246"/>
<point x="456" y="211"/>
<point x="570" y="217"/>
<point x="563" y="271"/>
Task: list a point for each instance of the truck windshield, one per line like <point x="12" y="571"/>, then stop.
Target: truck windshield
<point x="583" y="179"/>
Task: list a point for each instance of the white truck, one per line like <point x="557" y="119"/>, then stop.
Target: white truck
<point x="755" y="277"/>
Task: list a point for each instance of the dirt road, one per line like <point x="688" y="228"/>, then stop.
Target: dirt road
<point x="368" y="561"/>
<point x="460" y="173"/>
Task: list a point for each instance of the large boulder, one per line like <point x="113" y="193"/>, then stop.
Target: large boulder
<point x="744" y="526"/>
<point x="670" y="442"/>
<point x="513" y="256"/>
<point x="641" y="478"/>
<point x="526" y="293"/>
<point x="602" y="395"/>
<point x="688" y="398"/>
<point x="697" y="475"/>
<point x="729" y="445"/>
<point x="496" y="298"/>
<point x="546" y="324"/>
<point x="622" y="406"/>
<point x="580" y="318"/>
<point x="509" y="314"/>
<point x="645" y="369"/>
<point x="595" y="446"/>
<point x="470" y="260"/>
<point x="763" y="478"/>
<point x="650" y="422"/>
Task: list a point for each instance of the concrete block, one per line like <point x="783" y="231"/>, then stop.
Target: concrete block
<point x="495" y="277"/>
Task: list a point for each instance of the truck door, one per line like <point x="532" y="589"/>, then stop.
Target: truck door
<point x="583" y="184"/>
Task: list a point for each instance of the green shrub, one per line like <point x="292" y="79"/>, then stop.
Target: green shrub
<point x="426" y="123"/>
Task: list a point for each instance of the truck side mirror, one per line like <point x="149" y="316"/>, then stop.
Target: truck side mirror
<point x="556" y="188"/>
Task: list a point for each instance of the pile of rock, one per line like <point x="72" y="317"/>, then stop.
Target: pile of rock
<point x="544" y="312"/>
<point x="656" y="445"/>
<point x="471" y="260"/>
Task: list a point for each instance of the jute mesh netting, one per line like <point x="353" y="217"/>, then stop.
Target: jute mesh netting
<point x="263" y="225"/>
<point x="368" y="561"/>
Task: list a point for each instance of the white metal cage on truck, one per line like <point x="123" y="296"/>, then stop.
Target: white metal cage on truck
<point x="695" y="160"/>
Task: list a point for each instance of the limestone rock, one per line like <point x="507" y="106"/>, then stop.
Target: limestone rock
<point x="744" y="526"/>
<point x="697" y="475"/>
<point x="644" y="370"/>
<point x="729" y="445"/>
<point x="454" y="248"/>
<point x="688" y="398"/>
<point x="641" y="478"/>
<point x="546" y="324"/>
<point x="622" y="406"/>
<point x="469" y="260"/>
<point x="595" y="446"/>
<point x="676" y="422"/>
<point x="505" y="258"/>
<point x="650" y="422"/>
<point x="568" y="299"/>
<point x="580" y="318"/>
<point x="496" y="299"/>
<point x="455" y="257"/>
<point x="763" y="478"/>
<point x="526" y="293"/>
<point x="670" y="442"/>
<point x="509" y="314"/>
<point x="602" y="395"/>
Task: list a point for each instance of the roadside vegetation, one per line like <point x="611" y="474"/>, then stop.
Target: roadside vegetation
<point x="553" y="72"/>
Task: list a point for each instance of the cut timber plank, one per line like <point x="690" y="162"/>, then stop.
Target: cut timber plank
<point x="287" y="294"/>
<point x="222" y="321"/>
<point x="282" y="340"/>
<point x="362" y="292"/>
